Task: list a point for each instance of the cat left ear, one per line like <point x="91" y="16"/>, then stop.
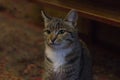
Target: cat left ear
<point x="46" y="17"/>
<point x="72" y="18"/>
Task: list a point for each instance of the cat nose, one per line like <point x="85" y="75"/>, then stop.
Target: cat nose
<point x="52" y="41"/>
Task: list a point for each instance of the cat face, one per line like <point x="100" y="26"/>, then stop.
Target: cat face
<point x="60" y="33"/>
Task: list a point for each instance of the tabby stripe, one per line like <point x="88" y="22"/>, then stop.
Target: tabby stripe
<point x="70" y="33"/>
<point x="48" y="59"/>
<point x="73" y="60"/>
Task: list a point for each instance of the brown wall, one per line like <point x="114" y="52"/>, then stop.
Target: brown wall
<point x="108" y="34"/>
<point x="22" y="9"/>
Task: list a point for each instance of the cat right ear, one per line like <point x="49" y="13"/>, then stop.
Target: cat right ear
<point x="72" y="17"/>
<point x="45" y="17"/>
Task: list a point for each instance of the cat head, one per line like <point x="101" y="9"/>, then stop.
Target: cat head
<point x="60" y="33"/>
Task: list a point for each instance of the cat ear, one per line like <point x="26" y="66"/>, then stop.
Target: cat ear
<point x="45" y="17"/>
<point x="72" y="18"/>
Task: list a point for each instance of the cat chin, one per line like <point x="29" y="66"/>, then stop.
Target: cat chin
<point x="55" y="46"/>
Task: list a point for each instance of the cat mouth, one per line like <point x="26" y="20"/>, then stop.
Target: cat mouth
<point x="53" y="44"/>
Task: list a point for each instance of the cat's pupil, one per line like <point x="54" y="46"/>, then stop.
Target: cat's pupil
<point x="61" y="32"/>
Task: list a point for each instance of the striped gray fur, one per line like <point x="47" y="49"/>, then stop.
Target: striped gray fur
<point x="65" y="49"/>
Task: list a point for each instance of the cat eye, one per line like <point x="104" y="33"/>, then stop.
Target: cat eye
<point x="61" y="32"/>
<point x="47" y="31"/>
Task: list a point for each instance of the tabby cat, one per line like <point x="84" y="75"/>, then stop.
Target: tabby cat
<point x="66" y="57"/>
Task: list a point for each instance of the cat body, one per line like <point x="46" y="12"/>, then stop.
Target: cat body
<point x="66" y="57"/>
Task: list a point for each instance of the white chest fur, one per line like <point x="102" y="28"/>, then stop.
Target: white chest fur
<point x="57" y="56"/>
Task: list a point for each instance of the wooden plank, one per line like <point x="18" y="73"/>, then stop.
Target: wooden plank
<point x="86" y="10"/>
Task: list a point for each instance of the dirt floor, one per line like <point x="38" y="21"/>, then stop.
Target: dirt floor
<point x="21" y="53"/>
